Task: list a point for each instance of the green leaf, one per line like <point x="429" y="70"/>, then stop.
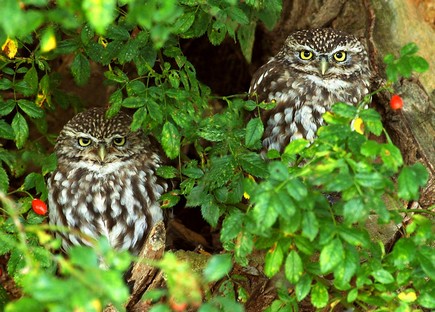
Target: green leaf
<point x="184" y="22"/>
<point x="155" y="111"/>
<point x="404" y="66"/>
<point x="354" y="236"/>
<point x="372" y="121"/>
<point x="373" y="180"/>
<point x="135" y="88"/>
<point x="296" y="189"/>
<point x="352" y="295"/>
<point x="112" y="51"/>
<point x="197" y="196"/>
<point x="410" y="180"/>
<point x="100" y="14"/>
<point x="270" y="13"/>
<point x="83" y="256"/>
<point x="25" y="304"/>
<point x="115" y="101"/>
<point x="427" y="300"/>
<point x="254" y="132"/>
<point x="383" y="276"/>
<point x="49" y="164"/>
<point x="254" y="164"/>
<point x="354" y="211"/>
<point x="265" y="211"/>
<point x="117" y="32"/>
<point x="389" y="58"/>
<point x="319" y="295"/>
<point x="139" y="118"/>
<point x="346" y="270"/>
<point x="344" y="110"/>
<point x="392" y="72"/>
<point x="7" y="107"/>
<point x="426" y="258"/>
<point x="296" y="146"/>
<point x="217" y="32"/>
<point x="210" y="212"/>
<point x="331" y="255"/>
<point x="246" y="37"/>
<point x="419" y="64"/>
<point x="5" y="84"/>
<point x="4" y="180"/>
<point x="31" y="78"/>
<point x="237" y="15"/>
<point x="303" y="287"/>
<point x="409" y="48"/>
<point x="134" y="102"/>
<point x="6" y="131"/>
<point x="21" y="130"/>
<point x="310" y="225"/>
<point x="273" y="261"/>
<point x="192" y="171"/>
<point x="24" y="88"/>
<point x="391" y="156"/>
<point x="167" y="172"/>
<point x="293" y="267"/>
<point x="403" y="253"/>
<point x="171" y="140"/>
<point x="278" y="171"/>
<point x="30" y="108"/>
<point x="218" y="267"/>
<point x="231" y="225"/>
<point x="81" y="69"/>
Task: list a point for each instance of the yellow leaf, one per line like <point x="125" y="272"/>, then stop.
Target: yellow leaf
<point x="245" y="194"/>
<point x="408" y="296"/>
<point x="48" y="41"/>
<point x="358" y="125"/>
<point x="10" y="48"/>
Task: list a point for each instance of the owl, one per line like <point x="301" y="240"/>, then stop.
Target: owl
<point x="105" y="183"/>
<point x="313" y="70"/>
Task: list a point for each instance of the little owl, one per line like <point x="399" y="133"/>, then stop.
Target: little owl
<point x="105" y="183"/>
<point x="313" y="70"/>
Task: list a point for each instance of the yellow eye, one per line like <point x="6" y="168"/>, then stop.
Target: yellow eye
<point x="84" y="141"/>
<point x="119" y="141"/>
<point x="340" y="56"/>
<point x="306" y="55"/>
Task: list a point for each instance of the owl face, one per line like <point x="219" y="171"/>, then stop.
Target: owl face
<point x="324" y="55"/>
<point x="94" y="139"/>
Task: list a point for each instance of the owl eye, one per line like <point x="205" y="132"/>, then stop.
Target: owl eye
<point x="84" y="142"/>
<point x="340" y="56"/>
<point x="119" y="141"/>
<point x="306" y="55"/>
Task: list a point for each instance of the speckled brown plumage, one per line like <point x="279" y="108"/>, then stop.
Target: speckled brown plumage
<point x="313" y="70"/>
<point x="105" y="183"/>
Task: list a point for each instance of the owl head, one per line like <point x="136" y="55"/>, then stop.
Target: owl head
<point x="93" y="138"/>
<point x="325" y="53"/>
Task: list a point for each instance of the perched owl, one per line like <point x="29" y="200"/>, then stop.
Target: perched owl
<point x="105" y="183"/>
<point x="313" y="70"/>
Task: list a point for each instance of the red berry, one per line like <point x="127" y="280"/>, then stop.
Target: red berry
<point x="39" y="207"/>
<point x="396" y="102"/>
<point x="177" y="307"/>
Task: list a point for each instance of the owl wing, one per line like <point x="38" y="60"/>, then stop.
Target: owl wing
<point x="292" y="117"/>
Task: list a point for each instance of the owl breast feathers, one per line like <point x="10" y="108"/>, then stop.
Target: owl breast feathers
<point x="105" y="183"/>
<point x="313" y="70"/>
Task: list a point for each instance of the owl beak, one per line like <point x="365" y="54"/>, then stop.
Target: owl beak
<point x="102" y="152"/>
<point x="324" y="65"/>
